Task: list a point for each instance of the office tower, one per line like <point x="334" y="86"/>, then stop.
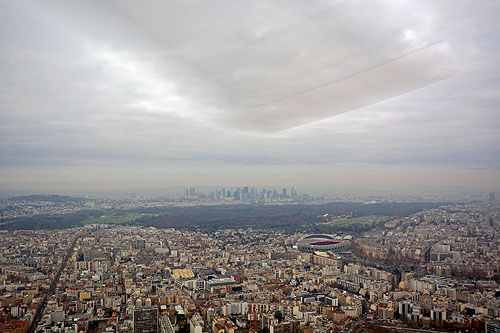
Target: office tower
<point x="492" y="196"/>
<point x="146" y="319"/>
<point x="192" y="191"/>
<point x="284" y="192"/>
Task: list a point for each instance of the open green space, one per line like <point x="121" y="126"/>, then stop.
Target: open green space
<point x="365" y="220"/>
<point x="116" y="219"/>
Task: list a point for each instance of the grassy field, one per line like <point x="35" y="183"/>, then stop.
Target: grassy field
<point x="367" y="220"/>
<point x="115" y="219"/>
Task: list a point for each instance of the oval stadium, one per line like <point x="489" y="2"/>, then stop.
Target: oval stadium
<point x="322" y="242"/>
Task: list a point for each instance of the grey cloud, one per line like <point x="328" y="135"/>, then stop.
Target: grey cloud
<point x="105" y="84"/>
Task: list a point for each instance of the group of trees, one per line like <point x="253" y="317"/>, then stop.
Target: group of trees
<point x="281" y="217"/>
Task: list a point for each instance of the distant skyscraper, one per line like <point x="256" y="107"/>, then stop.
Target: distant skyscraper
<point x="252" y="193"/>
<point x="146" y="319"/>
<point x="192" y="191"/>
<point x="284" y="192"/>
<point x="492" y="196"/>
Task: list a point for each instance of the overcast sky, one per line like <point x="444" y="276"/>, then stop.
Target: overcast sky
<point x="144" y="94"/>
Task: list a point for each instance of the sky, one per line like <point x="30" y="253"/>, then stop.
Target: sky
<point x="119" y="94"/>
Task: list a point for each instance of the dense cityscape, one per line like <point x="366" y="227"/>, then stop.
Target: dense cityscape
<point x="433" y="270"/>
<point x="262" y="166"/>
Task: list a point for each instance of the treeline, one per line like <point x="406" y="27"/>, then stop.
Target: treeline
<point x="282" y="217"/>
<point x="59" y="221"/>
<point x="241" y="216"/>
<point x="47" y="197"/>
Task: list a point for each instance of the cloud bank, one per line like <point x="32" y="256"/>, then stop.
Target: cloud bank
<point x="92" y="88"/>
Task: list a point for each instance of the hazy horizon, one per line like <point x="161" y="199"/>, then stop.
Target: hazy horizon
<point x="123" y="95"/>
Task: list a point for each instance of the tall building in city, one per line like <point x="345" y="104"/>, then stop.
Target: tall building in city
<point x="492" y="196"/>
<point x="438" y="315"/>
<point x="284" y="192"/>
<point x="146" y="319"/>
